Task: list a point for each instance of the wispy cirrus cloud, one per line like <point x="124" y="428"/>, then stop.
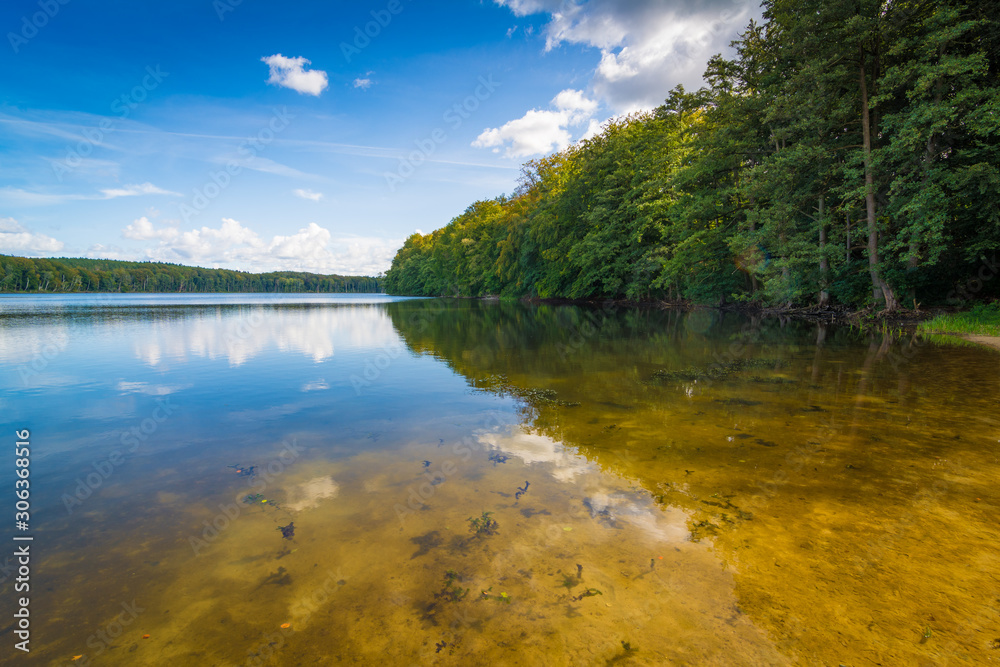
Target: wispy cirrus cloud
<point x="27" y="197"/>
<point x="135" y="190"/>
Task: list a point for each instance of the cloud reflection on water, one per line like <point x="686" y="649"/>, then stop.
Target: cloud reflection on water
<point x="245" y="334"/>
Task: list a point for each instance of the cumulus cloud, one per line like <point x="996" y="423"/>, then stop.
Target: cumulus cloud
<point x="362" y="83"/>
<point x="16" y="240"/>
<point x="593" y="129"/>
<point x="308" y="244"/>
<point x="232" y="245"/>
<point x="540" y="131"/>
<point x="101" y="251"/>
<point x="143" y="230"/>
<point x="292" y="73"/>
<point x="230" y="242"/>
<point x="647" y="46"/>
<point x="308" y="194"/>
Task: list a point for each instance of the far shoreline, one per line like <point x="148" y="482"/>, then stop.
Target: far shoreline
<point x="904" y="319"/>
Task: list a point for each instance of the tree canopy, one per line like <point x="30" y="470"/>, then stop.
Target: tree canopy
<point x="24" y="274"/>
<point x="848" y="153"/>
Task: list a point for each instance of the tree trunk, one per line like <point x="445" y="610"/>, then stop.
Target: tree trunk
<point x="913" y="260"/>
<point x="847" y="256"/>
<point x="754" y="283"/>
<point x="824" y="265"/>
<point x="880" y="289"/>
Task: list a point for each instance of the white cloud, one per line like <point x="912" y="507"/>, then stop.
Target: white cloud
<point x="574" y="103"/>
<point x="593" y="129"/>
<point x="309" y="244"/>
<point x="231" y="241"/>
<point x="647" y="46"/>
<point x="142" y="230"/>
<point x="291" y="73"/>
<point x="101" y="251"/>
<point x="16" y="240"/>
<point x="308" y="194"/>
<point x="312" y="248"/>
<point x="540" y="131"/>
<point x="362" y="83"/>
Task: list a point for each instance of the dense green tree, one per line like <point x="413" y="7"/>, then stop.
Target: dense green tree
<point x="22" y="274"/>
<point x="848" y="153"/>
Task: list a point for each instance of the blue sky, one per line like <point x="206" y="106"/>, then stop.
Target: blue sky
<point x="313" y="136"/>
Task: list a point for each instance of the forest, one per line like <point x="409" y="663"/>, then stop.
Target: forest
<point x="24" y="274"/>
<point x="847" y="155"/>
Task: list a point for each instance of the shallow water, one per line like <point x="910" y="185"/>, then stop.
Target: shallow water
<point x="661" y="488"/>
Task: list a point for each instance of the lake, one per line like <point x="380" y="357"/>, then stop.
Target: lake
<point x="360" y="479"/>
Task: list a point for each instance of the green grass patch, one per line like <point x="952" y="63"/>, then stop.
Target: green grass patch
<point x="982" y="320"/>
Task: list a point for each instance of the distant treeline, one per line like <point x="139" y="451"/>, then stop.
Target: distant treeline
<point x="849" y="153"/>
<point x="24" y="274"/>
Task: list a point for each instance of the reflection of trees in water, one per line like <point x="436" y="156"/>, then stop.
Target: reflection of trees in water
<point x="820" y="458"/>
<point x="672" y="399"/>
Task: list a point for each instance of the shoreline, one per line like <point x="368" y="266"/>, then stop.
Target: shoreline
<point x="903" y="319"/>
<point x="987" y="341"/>
<point x="831" y="314"/>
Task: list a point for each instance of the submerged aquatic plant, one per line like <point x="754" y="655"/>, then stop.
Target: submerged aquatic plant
<point x="287" y="532"/>
<point x="520" y="491"/>
<point x="497" y="457"/>
<point x="485" y="595"/>
<point x="243" y="471"/>
<point x="569" y="582"/>
<point x="501" y="385"/>
<point x="483" y="525"/>
<point x="589" y="593"/>
<point x="715" y="371"/>
<point x="450" y="591"/>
